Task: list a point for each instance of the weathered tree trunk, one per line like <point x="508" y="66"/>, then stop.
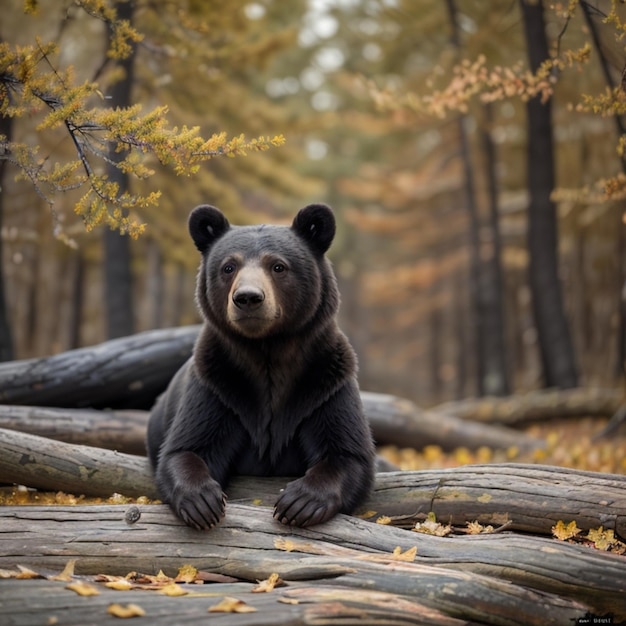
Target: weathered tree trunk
<point x="611" y="54"/>
<point x="26" y="601"/>
<point x="531" y="498"/>
<point x="52" y="465"/>
<point x="398" y="421"/>
<point x="489" y="579"/>
<point x="536" y="406"/>
<point x="394" y="421"/>
<point x="128" y="373"/>
<point x="555" y="344"/>
<point x="124" y="431"/>
<point x="497" y="377"/>
<point x="118" y="277"/>
<point x="6" y="338"/>
<point x="475" y="269"/>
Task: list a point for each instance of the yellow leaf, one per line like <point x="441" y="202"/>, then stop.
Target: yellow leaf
<point x="173" y="590"/>
<point x="432" y="527"/>
<point x="124" y="612"/>
<point x="231" y="605"/>
<point x="8" y="573"/>
<point x="408" y="555"/>
<point x="474" y="528"/>
<point x="602" y="539"/>
<point x="83" y="589"/>
<point x="26" y="573"/>
<point x="186" y="574"/>
<point x="161" y="577"/>
<point x="268" y="585"/>
<point x="119" y="585"/>
<point x="67" y="573"/>
<point x="383" y="519"/>
<point x="563" y="531"/>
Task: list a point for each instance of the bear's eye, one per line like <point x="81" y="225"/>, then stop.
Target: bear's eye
<point x="229" y="268"/>
<point x="278" y="268"/>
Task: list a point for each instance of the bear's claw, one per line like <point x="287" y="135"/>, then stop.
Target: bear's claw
<point x="301" y="505"/>
<point x="201" y="510"/>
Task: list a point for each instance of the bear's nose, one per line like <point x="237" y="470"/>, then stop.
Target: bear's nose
<point x="248" y="298"/>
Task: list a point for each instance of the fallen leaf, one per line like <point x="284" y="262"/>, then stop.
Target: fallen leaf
<point x="563" y="531"/>
<point x="26" y="574"/>
<point x="173" y="590"/>
<point x="161" y="577"/>
<point x="267" y="585"/>
<point x="602" y="539"/>
<point x="383" y="519"/>
<point x="408" y="555"/>
<point x="83" y="589"/>
<point x="186" y="574"/>
<point x="432" y="527"/>
<point x="119" y="585"/>
<point x="231" y="605"/>
<point x="67" y="573"/>
<point x="475" y="528"/>
<point x="125" y="612"/>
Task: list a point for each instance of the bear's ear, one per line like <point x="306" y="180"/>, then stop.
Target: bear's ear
<point x="315" y="224"/>
<point x="206" y="225"/>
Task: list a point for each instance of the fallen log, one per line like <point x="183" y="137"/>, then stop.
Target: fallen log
<point x="535" y="406"/>
<point x="394" y="421"/>
<point x="30" y="602"/>
<point x="490" y="579"/>
<point x="532" y="498"/>
<point x="398" y="421"/>
<point x="128" y="373"/>
<point x="124" y="431"/>
<point x="51" y="465"/>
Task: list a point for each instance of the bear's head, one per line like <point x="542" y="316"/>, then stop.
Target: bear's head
<point x="265" y="281"/>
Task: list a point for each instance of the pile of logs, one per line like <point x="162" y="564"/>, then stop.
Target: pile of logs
<point x="75" y="422"/>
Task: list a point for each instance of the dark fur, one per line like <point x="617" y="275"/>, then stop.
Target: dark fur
<point x="271" y="388"/>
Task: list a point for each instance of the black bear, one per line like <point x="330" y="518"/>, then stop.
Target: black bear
<point x="271" y="387"/>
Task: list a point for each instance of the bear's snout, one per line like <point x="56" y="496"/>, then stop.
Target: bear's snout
<point x="253" y="304"/>
<point x="248" y="298"/>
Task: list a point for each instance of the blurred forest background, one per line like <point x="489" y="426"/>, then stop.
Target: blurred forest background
<point x="472" y="152"/>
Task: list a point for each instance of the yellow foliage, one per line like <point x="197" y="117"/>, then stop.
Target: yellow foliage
<point x="269" y="584"/>
<point x="602" y="539"/>
<point x="564" y="531"/>
<point x="432" y="527"/>
<point x="83" y="589"/>
<point x="407" y="556"/>
<point x="186" y="574"/>
<point x="29" y="88"/>
<point x="173" y="590"/>
<point x="231" y="605"/>
<point x="125" y="611"/>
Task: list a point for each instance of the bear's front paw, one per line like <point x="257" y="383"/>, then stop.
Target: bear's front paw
<point x="304" y="503"/>
<point x="201" y="506"/>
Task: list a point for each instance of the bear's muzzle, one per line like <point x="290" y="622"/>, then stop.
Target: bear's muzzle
<point x="248" y="298"/>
